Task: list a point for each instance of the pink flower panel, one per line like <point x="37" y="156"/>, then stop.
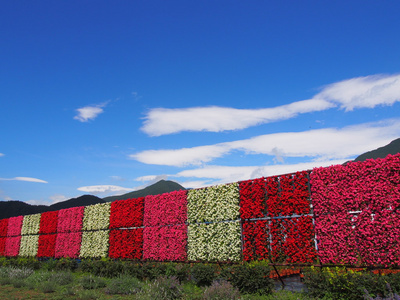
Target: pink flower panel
<point x="68" y="244"/>
<point x="12" y="246"/>
<point x="165" y="209"/>
<point x="15" y="226"/>
<point x="70" y="219"/>
<point x="166" y="243"/>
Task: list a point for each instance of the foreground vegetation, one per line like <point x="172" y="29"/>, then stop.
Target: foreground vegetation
<point x="25" y="278"/>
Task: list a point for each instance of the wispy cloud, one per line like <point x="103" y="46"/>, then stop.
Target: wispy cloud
<point x="214" y="174"/>
<point x="162" y="121"/>
<point x="58" y="198"/>
<point x="361" y="92"/>
<point x="1" y="154"/>
<point x="91" y="112"/>
<point x="29" y="179"/>
<point x="98" y="189"/>
<point x="321" y="144"/>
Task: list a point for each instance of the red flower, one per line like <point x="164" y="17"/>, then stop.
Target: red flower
<point x="47" y="245"/>
<point x="126" y="244"/>
<point x="127" y="213"/>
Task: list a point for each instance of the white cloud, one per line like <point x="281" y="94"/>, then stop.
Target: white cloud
<point x="162" y="121"/>
<point x="321" y="144"/>
<point x="225" y="174"/>
<point x="89" y="113"/>
<point x="57" y="198"/>
<point x="29" y="179"/>
<point x="97" y="189"/>
<point x="361" y="92"/>
<point x="182" y="157"/>
<point x="1" y="154"/>
<point x="152" y="178"/>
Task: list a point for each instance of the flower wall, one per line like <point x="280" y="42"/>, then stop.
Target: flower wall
<point x="48" y="222"/>
<point x="127" y="213"/>
<point x="165" y="209"/>
<point x="30" y="224"/>
<point x="70" y="219"/>
<point x="126" y="244"/>
<point x="356" y="212"/>
<point x="341" y="214"/>
<point x="96" y="217"/>
<point x="165" y="243"/>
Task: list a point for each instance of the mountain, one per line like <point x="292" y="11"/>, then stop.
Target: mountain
<point x="392" y="148"/>
<point x="160" y="187"/>
<point x="17" y="208"/>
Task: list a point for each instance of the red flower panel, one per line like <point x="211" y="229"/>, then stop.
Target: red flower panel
<point x="127" y="213"/>
<point x="127" y="244"/>
<point x="68" y="244"/>
<point x="255" y="240"/>
<point x="252" y="198"/>
<point x="47" y="245"/>
<point x="2" y="246"/>
<point x="3" y="227"/>
<point x="12" y="246"/>
<point x="166" y="243"/>
<point x="48" y="222"/>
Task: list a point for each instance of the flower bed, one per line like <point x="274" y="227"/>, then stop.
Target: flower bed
<point x="29" y="245"/>
<point x="165" y="243"/>
<point x="48" y="222"/>
<point x="127" y="244"/>
<point x="94" y="244"/>
<point x="97" y="216"/>
<point x="127" y="213"/>
<point x="165" y="209"/>
<point x="47" y="245"/>
<point x="214" y="242"/>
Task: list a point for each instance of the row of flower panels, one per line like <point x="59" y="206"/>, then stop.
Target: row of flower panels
<point x="357" y="212"/>
<point x="206" y="242"/>
<point x="286" y="195"/>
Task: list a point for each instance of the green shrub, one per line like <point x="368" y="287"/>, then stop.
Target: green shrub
<point x="252" y="279"/>
<point x="203" y="274"/>
<point x="18" y="282"/>
<point x="220" y="290"/>
<point x="163" y="288"/>
<point x="19" y="273"/>
<point x="124" y="285"/>
<point x="48" y="286"/>
<point x="66" y="264"/>
<point x="338" y="283"/>
<point x="90" y="282"/>
<point x="87" y="295"/>
<point x="28" y="262"/>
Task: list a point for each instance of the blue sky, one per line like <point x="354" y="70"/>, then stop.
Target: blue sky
<point x="105" y="97"/>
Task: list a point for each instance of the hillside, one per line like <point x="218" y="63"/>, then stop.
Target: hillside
<point x="392" y="148"/>
<point x="18" y="208"/>
<point x="160" y="187"/>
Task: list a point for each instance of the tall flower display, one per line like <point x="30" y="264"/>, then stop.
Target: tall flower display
<point x="14" y="226"/>
<point x="94" y="244"/>
<point x="29" y="245"/>
<point x="126" y="244"/>
<point x="355" y="208"/>
<point x="214" y="242"/>
<point x="68" y="244"/>
<point x="12" y="245"/>
<point x="30" y="224"/>
<point x="47" y="245"/>
<point x="2" y="246"/>
<point x="165" y="243"/>
<point x="3" y="227"/>
<point x="97" y="216"/>
<point x="127" y="213"/>
<point x="255" y="240"/>
<point x="165" y="209"/>
<point x="70" y="219"/>
<point x="215" y="203"/>
<point x="252" y="198"/>
<point x="48" y="222"/>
